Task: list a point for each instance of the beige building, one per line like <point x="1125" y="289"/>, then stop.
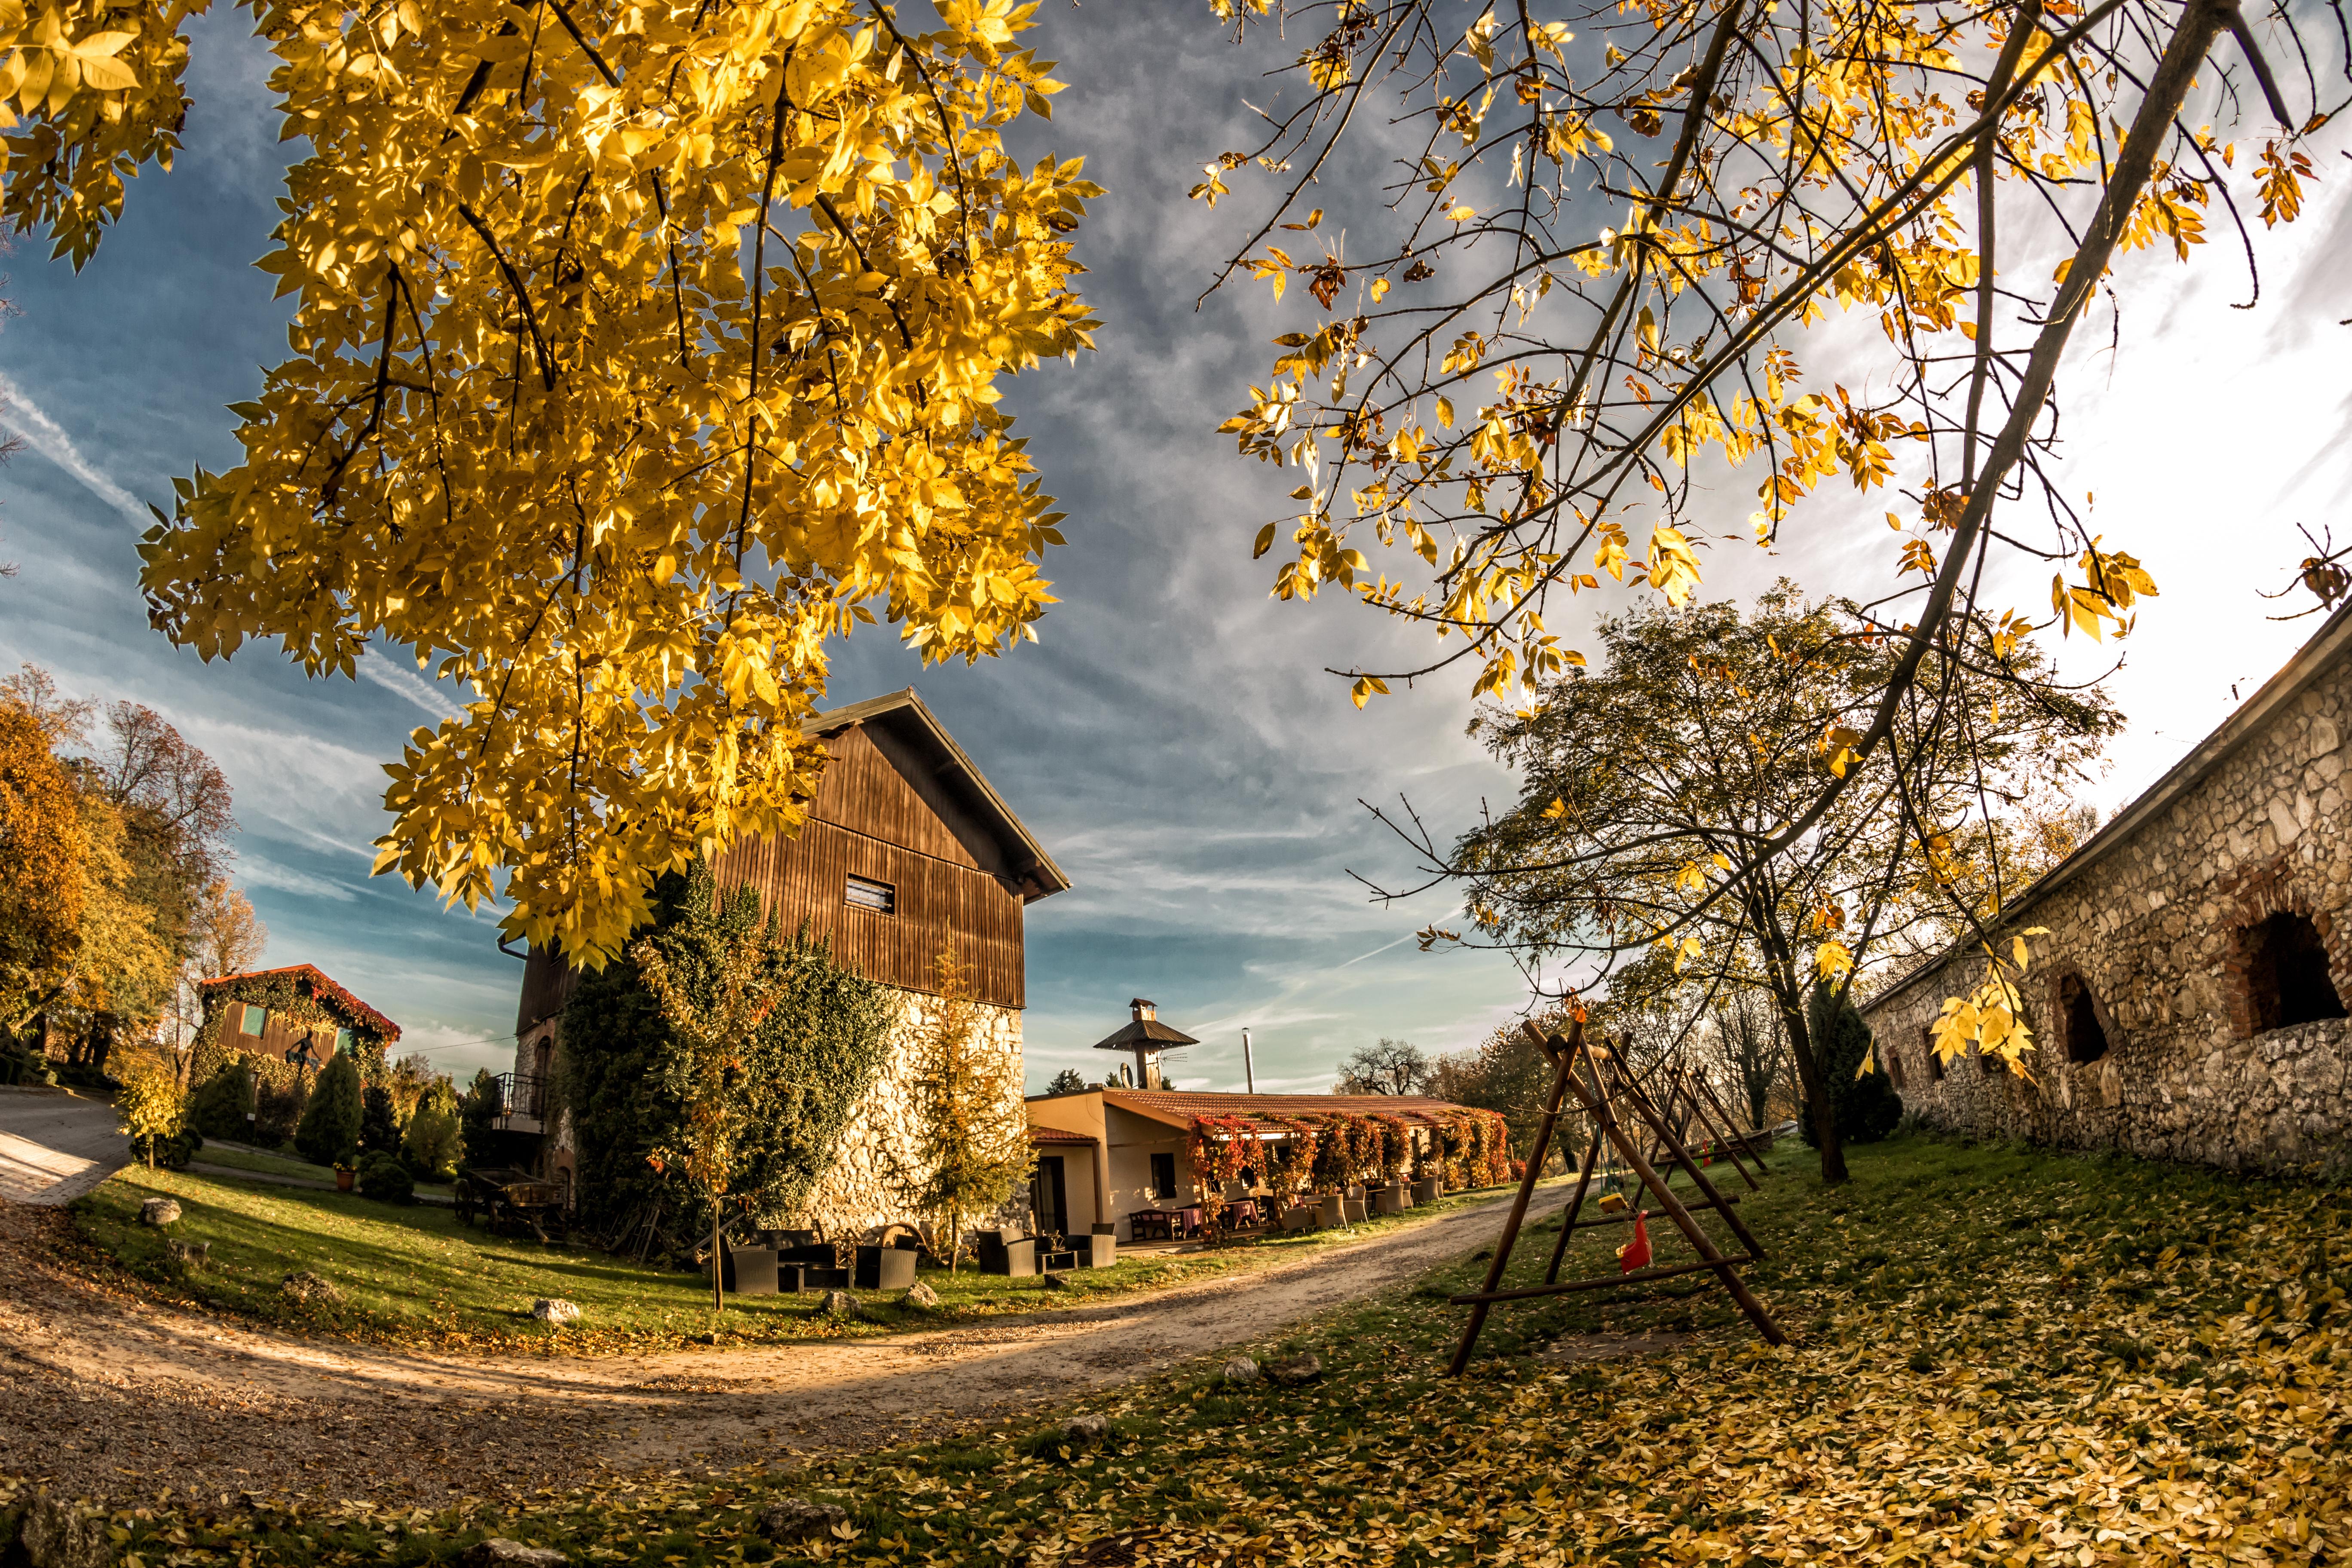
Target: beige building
<point x="2188" y="1002"/>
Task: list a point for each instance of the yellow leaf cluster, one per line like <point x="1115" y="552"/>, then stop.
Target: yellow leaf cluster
<point x="638" y="352"/>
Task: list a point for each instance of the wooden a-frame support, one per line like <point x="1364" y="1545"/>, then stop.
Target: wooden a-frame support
<point x="1596" y="1080"/>
<point x="1688" y="1092"/>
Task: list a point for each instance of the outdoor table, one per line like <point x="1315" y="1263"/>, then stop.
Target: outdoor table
<point x="1151" y="1224"/>
<point x="1240" y="1214"/>
<point x="1189" y="1218"/>
<point x="1056" y="1262"/>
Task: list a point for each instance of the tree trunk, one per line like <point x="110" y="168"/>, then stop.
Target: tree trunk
<point x="1817" y="1096"/>
<point x="717" y="1264"/>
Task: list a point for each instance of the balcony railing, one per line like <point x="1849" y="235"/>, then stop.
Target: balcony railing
<point x="520" y="1095"/>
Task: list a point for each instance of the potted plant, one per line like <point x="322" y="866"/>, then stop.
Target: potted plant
<point x="344" y="1176"/>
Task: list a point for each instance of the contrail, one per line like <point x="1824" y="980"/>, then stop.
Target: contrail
<point x="1399" y="943"/>
<point x="407" y="683"/>
<point x="45" y="436"/>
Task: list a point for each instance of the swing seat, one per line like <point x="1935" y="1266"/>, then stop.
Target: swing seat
<point x="1613" y="1203"/>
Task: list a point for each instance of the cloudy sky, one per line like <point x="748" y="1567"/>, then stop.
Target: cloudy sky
<point x="1171" y="739"/>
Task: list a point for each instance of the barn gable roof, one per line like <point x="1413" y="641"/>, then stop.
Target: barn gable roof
<point x="922" y="749"/>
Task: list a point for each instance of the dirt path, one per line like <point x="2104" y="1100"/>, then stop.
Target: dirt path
<point x="111" y="1395"/>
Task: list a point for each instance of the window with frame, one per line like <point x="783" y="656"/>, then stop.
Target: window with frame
<point x="864" y="893"/>
<point x="342" y="1040"/>
<point x="256" y="1019"/>
<point x="1163" y="1176"/>
<point x="1934" y="1062"/>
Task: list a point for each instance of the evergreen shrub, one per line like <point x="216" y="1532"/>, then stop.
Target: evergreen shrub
<point x="217" y="1109"/>
<point x="329" y="1133"/>
<point x="386" y="1179"/>
<point x="812" y="1059"/>
<point x="1867" y="1107"/>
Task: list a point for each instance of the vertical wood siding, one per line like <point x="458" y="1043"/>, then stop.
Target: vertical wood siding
<point x="868" y="821"/>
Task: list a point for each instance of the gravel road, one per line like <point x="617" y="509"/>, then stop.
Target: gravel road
<point x="114" y="1395"/>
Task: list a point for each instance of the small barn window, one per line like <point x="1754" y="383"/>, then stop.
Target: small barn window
<point x="343" y="1040"/>
<point x="2286" y="973"/>
<point x="257" y="1019"/>
<point x="867" y="894"/>
<point x="2087" y="1040"/>
<point x="1895" y="1069"/>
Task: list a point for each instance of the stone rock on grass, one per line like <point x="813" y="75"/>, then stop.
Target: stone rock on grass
<point x="796" y="1519"/>
<point x="842" y="1304"/>
<point x="920" y="1296"/>
<point x="498" y="1551"/>
<point x="49" y="1534"/>
<point x="159" y="1211"/>
<point x="1242" y="1369"/>
<point x="1085" y="1429"/>
<point x="1292" y="1370"/>
<point x="195" y="1254"/>
<point x="1056" y="1282"/>
<point x="312" y="1289"/>
<point x="555" y="1311"/>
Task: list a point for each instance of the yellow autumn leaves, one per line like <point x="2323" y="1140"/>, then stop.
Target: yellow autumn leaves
<point x="639" y="350"/>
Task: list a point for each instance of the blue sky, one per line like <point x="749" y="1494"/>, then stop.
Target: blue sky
<point x="1171" y="739"/>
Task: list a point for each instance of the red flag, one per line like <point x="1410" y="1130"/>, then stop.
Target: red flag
<point x="1636" y="1254"/>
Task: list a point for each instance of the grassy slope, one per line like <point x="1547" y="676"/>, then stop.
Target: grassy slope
<point x="2005" y="1358"/>
<point x="415" y="1276"/>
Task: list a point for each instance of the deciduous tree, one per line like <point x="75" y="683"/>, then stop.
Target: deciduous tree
<point x="970" y="1148"/>
<point x="1532" y="361"/>
<point x="639" y="351"/>
<point x="706" y="1069"/>
<point x="1645" y="786"/>
<point x="1390" y="1066"/>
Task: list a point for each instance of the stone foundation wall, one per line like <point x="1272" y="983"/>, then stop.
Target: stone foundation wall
<point x="859" y="1196"/>
<point x="2153" y="923"/>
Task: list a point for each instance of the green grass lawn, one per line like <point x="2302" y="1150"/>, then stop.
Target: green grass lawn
<point x="416" y="1276"/>
<point x="2003" y="1358"/>
<point x="270" y="1164"/>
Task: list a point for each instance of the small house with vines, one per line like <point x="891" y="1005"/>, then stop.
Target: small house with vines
<point x="909" y="851"/>
<point x="295" y="1017"/>
<point x="2188" y="1001"/>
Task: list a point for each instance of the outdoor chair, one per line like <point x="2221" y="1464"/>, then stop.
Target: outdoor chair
<point x="883" y="1269"/>
<point x="1099" y="1250"/>
<point x="1425" y="1190"/>
<point x="1392" y="1200"/>
<point x="750" y="1271"/>
<point x="1298" y="1217"/>
<point x="1015" y="1256"/>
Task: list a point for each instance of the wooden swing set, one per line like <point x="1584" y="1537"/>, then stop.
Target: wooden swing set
<point x="1605" y="1092"/>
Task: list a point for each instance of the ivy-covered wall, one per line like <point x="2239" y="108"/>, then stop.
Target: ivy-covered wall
<point x="810" y="1066"/>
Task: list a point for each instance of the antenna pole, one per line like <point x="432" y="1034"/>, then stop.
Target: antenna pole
<point x="1249" y="1071"/>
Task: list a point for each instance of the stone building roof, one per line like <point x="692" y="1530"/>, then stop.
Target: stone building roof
<point x="2327" y="648"/>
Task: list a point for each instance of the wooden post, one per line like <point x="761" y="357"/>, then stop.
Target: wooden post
<point x="1519" y="1204"/>
<point x="1733" y="1139"/>
<point x="1596" y="1102"/>
<point x="1575" y="1207"/>
<point x="1699" y="1178"/>
<point x="1720" y="1136"/>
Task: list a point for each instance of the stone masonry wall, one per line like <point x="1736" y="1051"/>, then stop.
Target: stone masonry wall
<point x="2154" y="927"/>
<point x="858" y="1196"/>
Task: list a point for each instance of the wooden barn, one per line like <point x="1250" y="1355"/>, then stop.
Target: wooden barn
<point x="907" y="848"/>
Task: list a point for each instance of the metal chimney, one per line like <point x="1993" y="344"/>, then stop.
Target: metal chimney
<point x="1249" y="1072"/>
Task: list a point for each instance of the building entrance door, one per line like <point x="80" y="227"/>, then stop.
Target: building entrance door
<point x="1047" y="1203"/>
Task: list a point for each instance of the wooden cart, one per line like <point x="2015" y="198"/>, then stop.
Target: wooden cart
<point x="511" y="1200"/>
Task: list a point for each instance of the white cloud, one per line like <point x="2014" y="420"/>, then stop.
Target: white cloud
<point x="257" y="871"/>
<point x="405" y="682"/>
<point x="45" y="436"/>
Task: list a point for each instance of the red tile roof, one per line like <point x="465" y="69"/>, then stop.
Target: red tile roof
<point x="1057" y="1135"/>
<point x="325" y="989"/>
<point x="1180" y="1107"/>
